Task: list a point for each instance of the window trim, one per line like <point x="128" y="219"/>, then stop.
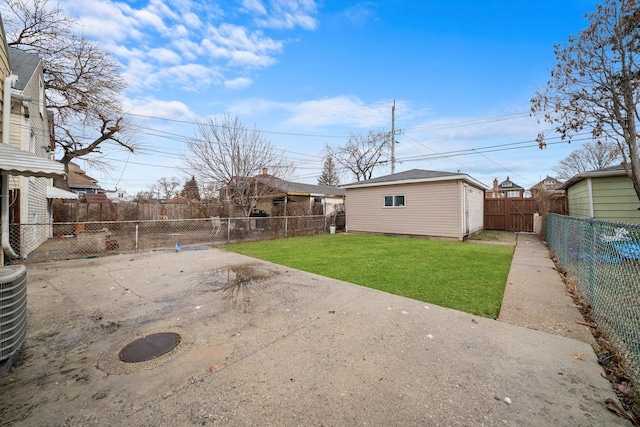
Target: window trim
<point x="394" y="201"/>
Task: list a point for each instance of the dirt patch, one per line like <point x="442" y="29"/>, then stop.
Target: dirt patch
<point x="494" y="236"/>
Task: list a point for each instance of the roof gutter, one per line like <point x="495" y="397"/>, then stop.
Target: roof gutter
<point x="462" y="177"/>
<point x="4" y="196"/>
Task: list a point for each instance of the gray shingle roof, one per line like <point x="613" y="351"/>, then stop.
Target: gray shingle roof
<point x="417" y="175"/>
<point x="617" y="170"/>
<point x="23" y="65"/>
<point x="507" y="184"/>
<point x="297" y="187"/>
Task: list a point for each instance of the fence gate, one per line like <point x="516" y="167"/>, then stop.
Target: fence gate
<point x="509" y="214"/>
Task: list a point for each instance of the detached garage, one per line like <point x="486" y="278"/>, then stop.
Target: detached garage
<point x="416" y="203"/>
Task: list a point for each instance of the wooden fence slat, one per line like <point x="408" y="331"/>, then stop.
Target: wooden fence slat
<point x="516" y="214"/>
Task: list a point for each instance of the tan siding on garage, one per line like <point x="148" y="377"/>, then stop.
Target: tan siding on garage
<point x="432" y="209"/>
<point x="476" y="209"/>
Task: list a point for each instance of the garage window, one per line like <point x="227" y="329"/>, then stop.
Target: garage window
<point x="396" y="201"/>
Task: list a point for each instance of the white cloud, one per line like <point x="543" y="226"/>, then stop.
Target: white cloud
<point x="341" y="110"/>
<point x="174" y="110"/>
<point x="479" y="128"/>
<point x="361" y="14"/>
<point x="254" y="6"/>
<point x="140" y="74"/>
<point x="191" y="20"/>
<point x="190" y="77"/>
<point x="187" y="43"/>
<point x="238" y="83"/>
<point x="241" y="47"/>
<point x="288" y="14"/>
<point x="164" y="56"/>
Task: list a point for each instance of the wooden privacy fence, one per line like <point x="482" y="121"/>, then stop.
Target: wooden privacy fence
<point x="510" y="214"/>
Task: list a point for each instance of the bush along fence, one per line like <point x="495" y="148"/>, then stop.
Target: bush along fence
<point x="67" y="240"/>
<point x="604" y="259"/>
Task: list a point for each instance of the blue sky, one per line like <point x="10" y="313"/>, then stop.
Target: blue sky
<point x="309" y="73"/>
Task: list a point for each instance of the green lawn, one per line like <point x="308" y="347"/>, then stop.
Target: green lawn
<point x="463" y="276"/>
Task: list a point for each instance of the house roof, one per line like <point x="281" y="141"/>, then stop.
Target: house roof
<point x="19" y="162"/>
<point x="617" y="170"/>
<point x="78" y="179"/>
<point x="298" y="188"/>
<point x="555" y="186"/>
<point x="507" y="184"/>
<point x="23" y="64"/>
<point x="415" y="176"/>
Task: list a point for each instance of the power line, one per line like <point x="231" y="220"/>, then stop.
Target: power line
<point x="259" y="130"/>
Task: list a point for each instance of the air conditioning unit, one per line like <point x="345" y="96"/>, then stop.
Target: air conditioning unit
<point x="13" y="312"/>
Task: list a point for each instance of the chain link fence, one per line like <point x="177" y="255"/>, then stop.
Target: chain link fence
<point x="92" y="239"/>
<point x="604" y="258"/>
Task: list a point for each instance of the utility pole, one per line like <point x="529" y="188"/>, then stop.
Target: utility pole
<point x="393" y="138"/>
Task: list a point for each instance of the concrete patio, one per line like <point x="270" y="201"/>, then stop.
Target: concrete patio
<point x="263" y="344"/>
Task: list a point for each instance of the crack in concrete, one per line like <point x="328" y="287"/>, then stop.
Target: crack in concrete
<point x="120" y="284"/>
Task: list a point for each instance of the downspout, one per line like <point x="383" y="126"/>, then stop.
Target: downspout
<point x="592" y="212"/>
<point x="4" y="197"/>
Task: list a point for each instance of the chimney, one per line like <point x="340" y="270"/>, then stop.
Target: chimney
<point x="264" y="171"/>
<point x="495" y="184"/>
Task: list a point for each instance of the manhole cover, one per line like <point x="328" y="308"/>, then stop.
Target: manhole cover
<point x="149" y="347"/>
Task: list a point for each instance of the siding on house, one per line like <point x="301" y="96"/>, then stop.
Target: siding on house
<point x="5" y="69"/>
<point x="578" y="199"/>
<point x="614" y="199"/>
<point x="431" y="209"/>
<point x="30" y="133"/>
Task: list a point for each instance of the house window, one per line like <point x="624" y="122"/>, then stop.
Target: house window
<point x="513" y="194"/>
<point x="394" y="201"/>
<point x="41" y="98"/>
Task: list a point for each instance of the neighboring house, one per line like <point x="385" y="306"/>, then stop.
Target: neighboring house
<point x="79" y="182"/>
<point x="118" y="196"/>
<point x="605" y="194"/>
<point x="506" y="189"/>
<point x="417" y="203"/>
<point x="274" y="196"/>
<point x="31" y="196"/>
<point x="319" y="199"/>
<point x="548" y="187"/>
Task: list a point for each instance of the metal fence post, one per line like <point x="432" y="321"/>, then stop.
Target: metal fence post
<point x="228" y="230"/>
<point x="136" y="240"/>
<point x="592" y="260"/>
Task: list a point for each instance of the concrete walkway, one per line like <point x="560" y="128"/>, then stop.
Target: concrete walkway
<point x="263" y="344"/>
<point x="535" y="295"/>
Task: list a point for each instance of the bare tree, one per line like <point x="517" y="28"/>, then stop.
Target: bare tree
<point x="166" y="188"/>
<point x="595" y="84"/>
<point x="591" y="156"/>
<point x="81" y="81"/>
<point x="224" y="152"/>
<point x="329" y="174"/>
<point x="145" y="196"/>
<point x="362" y="153"/>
